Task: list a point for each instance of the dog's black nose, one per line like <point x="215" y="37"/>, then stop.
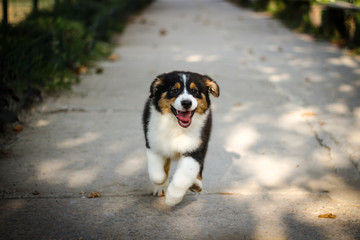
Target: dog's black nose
<point x="186" y="104"/>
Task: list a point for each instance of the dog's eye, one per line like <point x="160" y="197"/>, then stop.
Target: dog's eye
<point x="174" y="90"/>
<point x="194" y="91"/>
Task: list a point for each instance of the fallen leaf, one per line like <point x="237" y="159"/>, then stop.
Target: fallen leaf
<point x="18" y="128"/>
<point x="94" y="195"/>
<point x="238" y="104"/>
<point x="113" y="57"/>
<point x="35" y="193"/>
<point x="308" y="114"/>
<point x="327" y="215"/>
<point x="163" y="32"/>
<point x="226" y="193"/>
<point x="81" y="70"/>
<point x="99" y="70"/>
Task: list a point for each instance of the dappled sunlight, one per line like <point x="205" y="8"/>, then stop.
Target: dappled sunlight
<point x="344" y="61"/>
<point x="268" y="70"/>
<point x="115" y="147"/>
<point x="301" y="62"/>
<point x="60" y="171"/>
<point x="74" y="142"/>
<point x="294" y="120"/>
<point x="279" y="77"/>
<point x="298" y="49"/>
<point x="83" y="177"/>
<point x="355" y="137"/>
<point x="355" y="134"/>
<point x="242" y="137"/>
<point x="267" y="170"/>
<point x="196" y="58"/>
<point x="347" y="88"/>
<point x="12" y="208"/>
<point x="338" y="108"/>
<point x="132" y="164"/>
<point x="48" y="170"/>
<point x="42" y="123"/>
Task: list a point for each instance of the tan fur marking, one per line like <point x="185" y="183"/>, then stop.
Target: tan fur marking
<point x="193" y="86"/>
<point x="199" y="177"/>
<point x="202" y="105"/>
<point x="165" y="103"/>
<point x="167" y="167"/>
<point x="213" y="87"/>
<point x="177" y="85"/>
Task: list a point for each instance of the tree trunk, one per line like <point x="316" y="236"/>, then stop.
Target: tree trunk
<point x="35" y="6"/>
<point x="5" y="13"/>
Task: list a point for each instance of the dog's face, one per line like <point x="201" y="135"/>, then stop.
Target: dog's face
<point x="183" y="94"/>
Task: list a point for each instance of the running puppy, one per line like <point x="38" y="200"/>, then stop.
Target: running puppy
<point x="177" y="125"/>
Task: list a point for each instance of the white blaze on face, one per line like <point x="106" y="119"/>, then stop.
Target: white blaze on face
<point x="185" y="96"/>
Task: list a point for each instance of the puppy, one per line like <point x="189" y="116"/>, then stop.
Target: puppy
<point x="177" y="123"/>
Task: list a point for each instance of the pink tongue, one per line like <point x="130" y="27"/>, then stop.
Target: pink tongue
<point x="184" y="116"/>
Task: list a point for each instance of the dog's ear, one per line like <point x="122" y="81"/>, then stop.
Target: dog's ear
<point x="213" y="87"/>
<point x="155" y="85"/>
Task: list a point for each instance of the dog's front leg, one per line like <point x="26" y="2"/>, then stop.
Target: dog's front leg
<point x="184" y="177"/>
<point x="158" y="168"/>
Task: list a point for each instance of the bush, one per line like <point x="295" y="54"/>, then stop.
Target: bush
<point x="341" y="26"/>
<point x="43" y="51"/>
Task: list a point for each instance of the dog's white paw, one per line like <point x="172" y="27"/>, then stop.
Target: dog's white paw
<point x="160" y="190"/>
<point x="174" y="195"/>
<point x="172" y="200"/>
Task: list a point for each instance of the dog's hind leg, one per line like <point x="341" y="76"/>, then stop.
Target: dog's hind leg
<point x="158" y="168"/>
<point x="184" y="177"/>
<point x="197" y="186"/>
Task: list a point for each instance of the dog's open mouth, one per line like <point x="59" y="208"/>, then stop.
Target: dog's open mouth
<point x="184" y="118"/>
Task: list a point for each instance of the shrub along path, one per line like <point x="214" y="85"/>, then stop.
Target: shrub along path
<point x="284" y="148"/>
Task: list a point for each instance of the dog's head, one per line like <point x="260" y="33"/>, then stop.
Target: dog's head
<point x="183" y="94"/>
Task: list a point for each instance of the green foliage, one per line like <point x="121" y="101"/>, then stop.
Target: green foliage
<point x="341" y="26"/>
<point x="46" y="49"/>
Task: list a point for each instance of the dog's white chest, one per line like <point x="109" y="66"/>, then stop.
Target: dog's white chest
<point x="169" y="139"/>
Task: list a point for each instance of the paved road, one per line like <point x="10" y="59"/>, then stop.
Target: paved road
<point x="284" y="149"/>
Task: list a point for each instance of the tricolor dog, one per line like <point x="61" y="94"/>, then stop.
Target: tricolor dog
<point x="177" y="124"/>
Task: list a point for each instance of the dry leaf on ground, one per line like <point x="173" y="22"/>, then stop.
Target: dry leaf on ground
<point x="308" y="114"/>
<point x="81" y="70"/>
<point x="226" y="193"/>
<point x="327" y="215"/>
<point x="238" y="104"/>
<point x="94" y="195"/>
<point x="113" y="57"/>
<point x="18" y="128"/>
<point x="163" y="32"/>
<point x="99" y="70"/>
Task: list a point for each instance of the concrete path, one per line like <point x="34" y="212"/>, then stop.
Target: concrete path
<point x="284" y="149"/>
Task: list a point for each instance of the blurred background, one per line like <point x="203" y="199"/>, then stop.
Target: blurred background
<point x="46" y="44"/>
